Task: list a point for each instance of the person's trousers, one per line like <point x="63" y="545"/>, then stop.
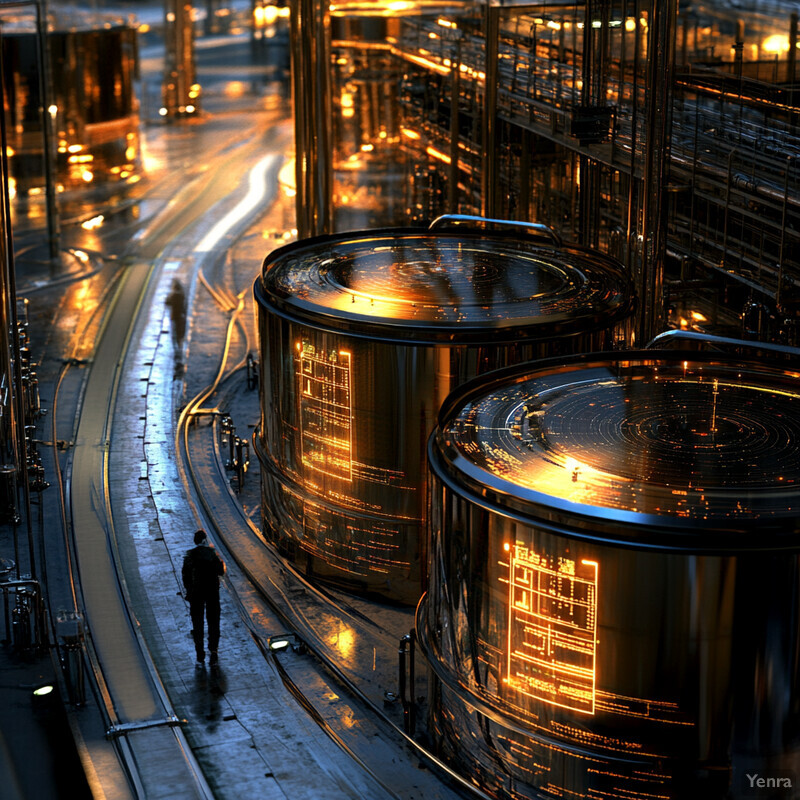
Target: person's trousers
<point x="207" y="607"/>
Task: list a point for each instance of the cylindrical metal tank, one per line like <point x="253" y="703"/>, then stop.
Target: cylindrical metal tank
<point x="93" y="105"/>
<point x="613" y="605"/>
<point x="363" y="335"/>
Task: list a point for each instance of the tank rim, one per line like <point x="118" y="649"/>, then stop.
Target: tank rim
<point x="543" y="329"/>
<point x="620" y="527"/>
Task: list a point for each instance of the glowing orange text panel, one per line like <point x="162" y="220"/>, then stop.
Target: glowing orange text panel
<point x="324" y="384"/>
<point x="552" y="629"/>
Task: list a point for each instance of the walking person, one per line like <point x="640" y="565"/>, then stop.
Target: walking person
<point x="176" y="302"/>
<point x="202" y="569"/>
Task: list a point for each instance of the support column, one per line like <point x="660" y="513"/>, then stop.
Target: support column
<point x="313" y="116"/>
<point x="180" y="90"/>
<point x="490" y="160"/>
<point x="660" y="68"/>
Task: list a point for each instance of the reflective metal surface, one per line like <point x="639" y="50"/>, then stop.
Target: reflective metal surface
<point x="614" y="580"/>
<point x="363" y="336"/>
<point x="180" y="92"/>
<point x="311" y="92"/>
<point x="413" y="285"/>
<point x="94" y="109"/>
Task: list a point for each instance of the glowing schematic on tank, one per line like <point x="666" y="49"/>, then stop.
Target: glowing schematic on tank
<point x="324" y="393"/>
<point x="552" y="621"/>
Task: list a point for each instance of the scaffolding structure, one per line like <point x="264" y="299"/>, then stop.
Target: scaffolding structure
<point x="665" y="134"/>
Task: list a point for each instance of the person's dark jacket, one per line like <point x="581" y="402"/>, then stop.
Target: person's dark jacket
<point x="202" y="568"/>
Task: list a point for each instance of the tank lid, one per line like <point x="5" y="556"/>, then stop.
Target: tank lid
<point x="645" y="439"/>
<point x="412" y="284"/>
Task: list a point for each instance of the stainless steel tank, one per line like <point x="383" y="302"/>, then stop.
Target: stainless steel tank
<point x="94" y="63"/>
<point x="363" y="335"/>
<point x="613" y="606"/>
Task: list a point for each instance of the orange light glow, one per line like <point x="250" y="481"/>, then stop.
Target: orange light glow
<point x="324" y="393"/>
<point x="432" y="151"/>
<point x="552" y="629"/>
<point x="776" y="44"/>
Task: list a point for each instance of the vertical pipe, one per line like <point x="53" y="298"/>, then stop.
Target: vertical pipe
<point x="525" y="175"/>
<point x="633" y="189"/>
<point x="738" y="50"/>
<point x="791" y="65"/>
<point x="9" y="343"/>
<point x="729" y="182"/>
<point x="401" y="677"/>
<point x="311" y="91"/>
<point x="684" y="41"/>
<point x="412" y="681"/>
<point x="490" y="161"/>
<point x="660" y="66"/>
<point x="43" y="63"/>
<point x="180" y="93"/>
<point x="562" y="72"/>
<point x="455" y="89"/>
<point x="584" y="169"/>
<point x="781" y="257"/>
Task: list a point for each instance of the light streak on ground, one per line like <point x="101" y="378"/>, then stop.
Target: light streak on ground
<point x="257" y="191"/>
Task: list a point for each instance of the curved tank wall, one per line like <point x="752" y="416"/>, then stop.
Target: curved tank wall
<point x="614" y="582"/>
<point x="363" y="335"/>
<point x="96" y="124"/>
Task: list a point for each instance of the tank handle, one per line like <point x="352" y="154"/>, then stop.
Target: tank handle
<point x="663" y="340"/>
<point x="454" y="219"/>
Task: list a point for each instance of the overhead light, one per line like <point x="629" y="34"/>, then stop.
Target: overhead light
<point x="43" y="691"/>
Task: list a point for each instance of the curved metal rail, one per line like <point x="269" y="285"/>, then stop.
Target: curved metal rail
<point x="126" y="684"/>
<point x="724" y="343"/>
<point x="536" y="228"/>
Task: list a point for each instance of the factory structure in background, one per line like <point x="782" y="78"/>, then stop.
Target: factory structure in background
<point x="508" y="214"/>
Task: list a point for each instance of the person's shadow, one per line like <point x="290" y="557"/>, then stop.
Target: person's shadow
<point x="210" y="685"/>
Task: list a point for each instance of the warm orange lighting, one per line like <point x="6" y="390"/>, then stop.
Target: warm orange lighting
<point x="94" y="222"/>
<point x="434" y="153"/>
<point x="777" y="43"/>
<point x="235" y="89"/>
<point x="552" y="629"/>
<point x="324" y="389"/>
